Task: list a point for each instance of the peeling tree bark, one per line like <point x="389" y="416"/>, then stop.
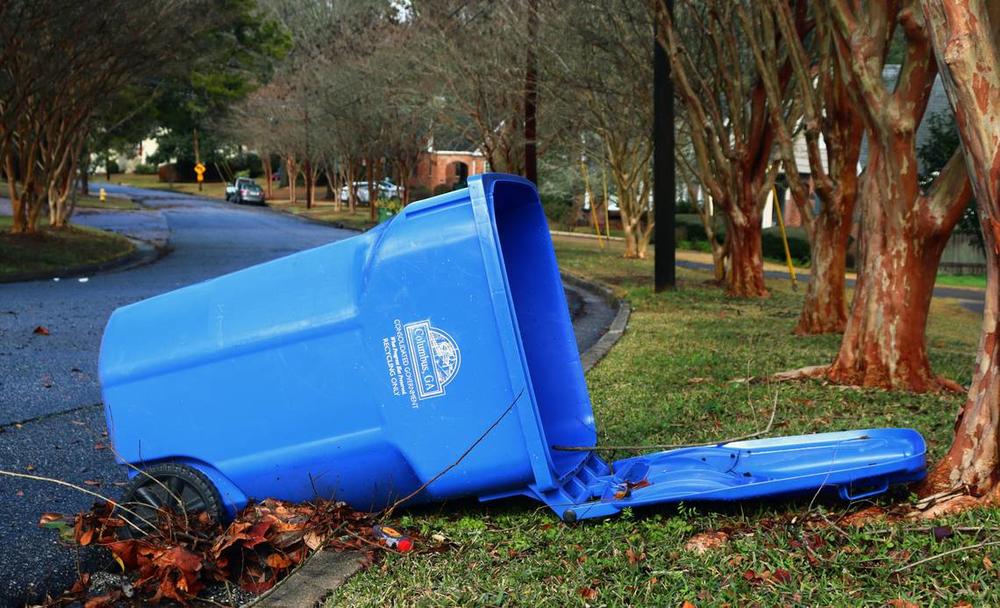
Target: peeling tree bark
<point x="966" y="35"/>
<point x="824" y="310"/>
<point x="746" y="273"/>
<point x="903" y="230"/>
<point x="826" y="118"/>
<point x="884" y="343"/>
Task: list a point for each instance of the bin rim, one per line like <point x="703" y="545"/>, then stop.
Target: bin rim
<point x="481" y="193"/>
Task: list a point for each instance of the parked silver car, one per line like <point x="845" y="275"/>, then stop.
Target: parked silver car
<point x="245" y="191"/>
<point x="386" y="189"/>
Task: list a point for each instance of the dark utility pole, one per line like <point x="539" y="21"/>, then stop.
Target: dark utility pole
<point x="531" y="97"/>
<point x="664" y="178"/>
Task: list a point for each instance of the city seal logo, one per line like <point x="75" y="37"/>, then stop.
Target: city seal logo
<point x="434" y="355"/>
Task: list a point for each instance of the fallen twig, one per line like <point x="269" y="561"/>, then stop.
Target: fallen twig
<point x="85" y="491"/>
<point x="803" y="373"/>
<point x="388" y="512"/>
<point x="929" y="501"/>
<point x="946" y="553"/>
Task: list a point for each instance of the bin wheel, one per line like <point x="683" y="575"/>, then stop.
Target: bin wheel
<point x="145" y="495"/>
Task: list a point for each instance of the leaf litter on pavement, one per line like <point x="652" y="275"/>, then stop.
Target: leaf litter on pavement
<point x="185" y="555"/>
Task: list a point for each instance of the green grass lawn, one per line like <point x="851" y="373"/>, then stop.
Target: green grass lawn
<point x="668" y="381"/>
<point x="961" y="280"/>
<point x="327" y="212"/>
<point x="56" y="250"/>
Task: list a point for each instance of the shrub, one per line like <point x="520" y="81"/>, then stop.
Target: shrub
<point x="560" y="210"/>
<point x="248" y="164"/>
<point x="418" y="193"/>
<point x="145" y="169"/>
<point x="798" y="244"/>
<point x="771" y="245"/>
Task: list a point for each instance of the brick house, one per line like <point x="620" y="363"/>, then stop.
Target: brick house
<point x="440" y="169"/>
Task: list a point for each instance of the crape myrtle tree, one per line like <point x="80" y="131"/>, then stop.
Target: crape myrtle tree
<point x="68" y="70"/>
<point x="966" y="41"/>
<point x="336" y="107"/>
<point x="725" y="106"/>
<point x="59" y="63"/>
<point x="903" y="227"/>
<point x="601" y="74"/>
<point x="822" y="116"/>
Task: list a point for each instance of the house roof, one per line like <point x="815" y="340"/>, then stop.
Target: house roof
<point x="453" y="138"/>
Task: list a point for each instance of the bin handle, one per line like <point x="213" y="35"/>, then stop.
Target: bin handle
<point x="881" y="487"/>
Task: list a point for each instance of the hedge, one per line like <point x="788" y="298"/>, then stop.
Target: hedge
<point x="771" y="245"/>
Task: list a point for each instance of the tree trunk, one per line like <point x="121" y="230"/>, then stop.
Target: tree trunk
<point x="266" y="161"/>
<point x="884" y="343"/>
<point x="531" y="97"/>
<point x="746" y="275"/>
<point x="719" y="256"/>
<point x="293" y="177"/>
<point x="310" y="183"/>
<point x="371" y="191"/>
<point x="631" y="242"/>
<point x="966" y="37"/>
<point x="825" y="310"/>
<point x="19" y="208"/>
<point x="85" y="172"/>
<point x="352" y="191"/>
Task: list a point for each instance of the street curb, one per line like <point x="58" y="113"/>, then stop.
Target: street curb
<point x="593" y="355"/>
<point x="142" y="253"/>
<point x="311" y="220"/>
<point x="324" y="571"/>
<point x="315" y="580"/>
<point x="585" y="235"/>
<point x="75" y="271"/>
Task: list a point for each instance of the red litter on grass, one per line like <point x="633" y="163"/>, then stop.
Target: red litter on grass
<point x="392" y="538"/>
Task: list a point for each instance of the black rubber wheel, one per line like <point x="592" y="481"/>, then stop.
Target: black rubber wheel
<point x="160" y="486"/>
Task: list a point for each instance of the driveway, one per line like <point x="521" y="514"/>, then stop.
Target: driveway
<point x="51" y="419"/>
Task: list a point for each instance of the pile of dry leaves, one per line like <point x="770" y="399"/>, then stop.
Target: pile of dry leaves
<point x="262" y="545"/>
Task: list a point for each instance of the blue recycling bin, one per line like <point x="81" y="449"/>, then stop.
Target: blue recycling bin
<point x="362" y="369"/>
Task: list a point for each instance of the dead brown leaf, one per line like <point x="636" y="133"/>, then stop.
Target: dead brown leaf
<point x="278" y="561"/>
<point x="706" y="541"/>
<point x="41" y="330"/>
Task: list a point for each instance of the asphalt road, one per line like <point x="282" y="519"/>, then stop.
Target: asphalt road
<point x="51" y="419"/>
